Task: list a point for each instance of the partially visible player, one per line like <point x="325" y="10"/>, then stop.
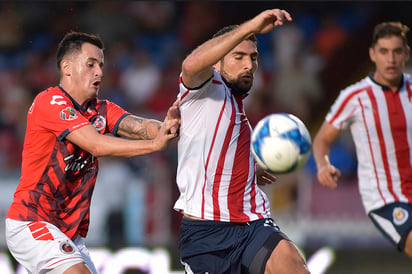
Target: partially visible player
<point x="227" y="225"/>
<point x="67" y="127"/>
<point x="378" y="111"/>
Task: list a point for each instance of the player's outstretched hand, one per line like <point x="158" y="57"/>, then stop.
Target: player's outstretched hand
<point x="174" y="113"/>
<point x="264" y="177"/>
<point x="328" y="175"/>
<point x="168" y="131"/>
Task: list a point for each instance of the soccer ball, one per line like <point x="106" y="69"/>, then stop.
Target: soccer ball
<point x="281" y="143"/>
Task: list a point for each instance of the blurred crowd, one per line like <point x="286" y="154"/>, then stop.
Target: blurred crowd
<point x="145" y="43"/>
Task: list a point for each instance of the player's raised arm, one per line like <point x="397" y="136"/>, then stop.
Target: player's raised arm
<point x="196" y="68"/>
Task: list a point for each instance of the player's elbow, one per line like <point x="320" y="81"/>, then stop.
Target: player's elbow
<point x="97" y="147"/>
<point x="188" y="64"/>
<point x="188" y="67"/>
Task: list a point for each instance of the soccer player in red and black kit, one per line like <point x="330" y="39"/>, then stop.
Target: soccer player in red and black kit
<point x="68" y="128"/>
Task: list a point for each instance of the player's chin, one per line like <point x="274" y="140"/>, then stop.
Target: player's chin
<point x="247" y="81"/>
<point x="94" y="92"/>
<point x="245" y="86"/>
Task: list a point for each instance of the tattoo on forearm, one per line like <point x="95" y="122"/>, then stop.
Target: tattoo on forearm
<point x="138" y="128"/>
<point x="132" y="127"/>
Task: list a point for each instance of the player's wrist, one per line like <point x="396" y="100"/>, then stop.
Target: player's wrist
<point x="322" y="167"/>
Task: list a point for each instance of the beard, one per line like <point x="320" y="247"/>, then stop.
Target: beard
<point x="237" y="86"/>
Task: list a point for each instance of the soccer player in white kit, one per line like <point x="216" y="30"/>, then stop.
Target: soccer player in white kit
<point x="378" y="111"/>
<point x="227" y="226"/>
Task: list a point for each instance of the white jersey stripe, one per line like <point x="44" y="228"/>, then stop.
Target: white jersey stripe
<point x="387" y="180"/>
<point x="216" y="211"/>
<point x="221" y="164"/>
<point x="371" y="152"/>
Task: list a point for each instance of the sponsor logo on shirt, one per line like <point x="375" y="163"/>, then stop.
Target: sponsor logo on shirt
<point x="68" y="114"/>
<point x="400" y="215"/>
<point x="55" y="100"/>
<point x="77" y="164"/>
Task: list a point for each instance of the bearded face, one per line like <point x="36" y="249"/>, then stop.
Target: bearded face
<point x="238" y="67"/>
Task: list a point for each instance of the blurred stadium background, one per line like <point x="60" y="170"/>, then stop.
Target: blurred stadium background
<point x="303" y="65"/>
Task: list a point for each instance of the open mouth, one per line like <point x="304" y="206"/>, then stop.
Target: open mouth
<point x="96" y="84"/>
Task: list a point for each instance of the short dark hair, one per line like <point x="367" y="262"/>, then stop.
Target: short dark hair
<point x="388" y="29"/>
<point x="72" y="42"/>
<point x="230" y="28"/>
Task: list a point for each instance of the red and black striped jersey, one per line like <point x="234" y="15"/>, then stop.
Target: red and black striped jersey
<point x="58" y="177"/>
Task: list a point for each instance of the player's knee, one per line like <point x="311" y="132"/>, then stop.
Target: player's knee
<point x="408" y="245"/>
<point x="286" y="258"/>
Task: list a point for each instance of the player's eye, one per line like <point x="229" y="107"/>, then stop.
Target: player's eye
<point x="398" y="51"/>
<point x="383" y="51"/>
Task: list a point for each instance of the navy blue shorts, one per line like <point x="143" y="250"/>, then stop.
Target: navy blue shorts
<point x="222" y="247"/>
<point x="394" y="221"/>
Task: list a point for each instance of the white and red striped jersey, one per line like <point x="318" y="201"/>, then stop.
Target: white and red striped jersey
<point x="216" y="171"/>
<point x="380" y="122"/>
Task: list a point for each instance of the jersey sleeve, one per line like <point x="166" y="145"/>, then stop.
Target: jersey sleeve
<point x="55" y="113"/>
<point x="186" y="94"/>
<point x="340" y="113"/>
<point x="115" y="114"/>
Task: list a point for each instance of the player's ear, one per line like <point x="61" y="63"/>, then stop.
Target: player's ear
<point x="372" y="54"/>
<point x="65" y="66"/>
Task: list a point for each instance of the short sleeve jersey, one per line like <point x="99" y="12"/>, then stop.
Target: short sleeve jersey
<point x="380" y="122"/>
<point x="216" y="171"/>
<point x="58" y="177"/>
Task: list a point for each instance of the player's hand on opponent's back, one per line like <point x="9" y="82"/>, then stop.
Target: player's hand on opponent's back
<point x="173" y="113"/>
<point x="264" y="177"/>
<point x="168" y="131"/>
<point x="170" y="127"/>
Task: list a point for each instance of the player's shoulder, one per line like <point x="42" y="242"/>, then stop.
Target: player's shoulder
<point x="53" y="95"/>
<point x="357" y="86"/>
<point x="407" y="77"/>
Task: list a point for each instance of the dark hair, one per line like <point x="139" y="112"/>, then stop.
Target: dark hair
<point x="230" y="28"/>
<point x="72" y="42"/>
<point x="387" y="29"/>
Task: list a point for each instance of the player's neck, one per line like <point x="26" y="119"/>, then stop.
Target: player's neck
<point x="76" y="96"/>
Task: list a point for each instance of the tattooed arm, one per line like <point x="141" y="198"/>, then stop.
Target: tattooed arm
<point x="144" y="136"/>
<point x="139" y="128"/>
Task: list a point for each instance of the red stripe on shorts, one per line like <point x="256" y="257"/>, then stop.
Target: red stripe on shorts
<point x="40" y="232"/>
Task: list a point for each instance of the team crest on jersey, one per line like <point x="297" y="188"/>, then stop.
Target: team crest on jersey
<point x="66" y="248"/>
<point x="400" y="215"/>
<point x="99" y="122"/>
<point x="68" y="114"/>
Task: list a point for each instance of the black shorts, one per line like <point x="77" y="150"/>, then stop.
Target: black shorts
<point x="394" y="221"/>
<point x="221" y="247"/>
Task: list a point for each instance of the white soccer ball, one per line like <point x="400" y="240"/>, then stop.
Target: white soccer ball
<point x="281" y="143"/>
